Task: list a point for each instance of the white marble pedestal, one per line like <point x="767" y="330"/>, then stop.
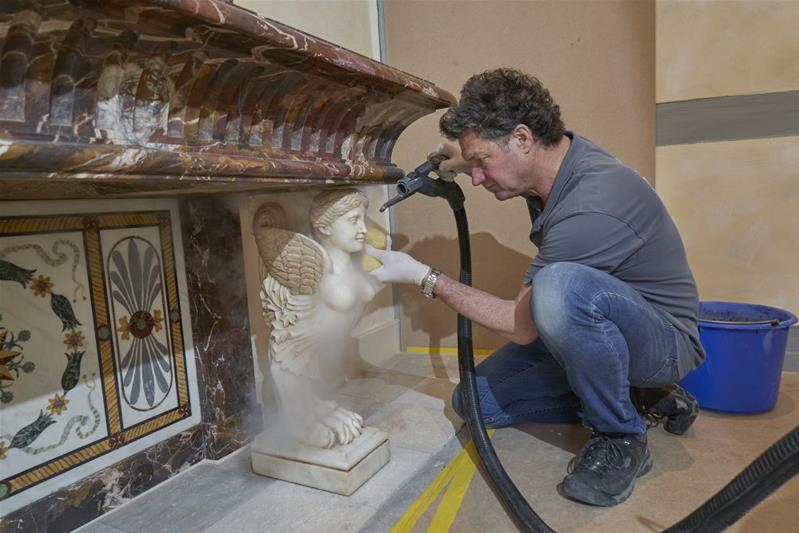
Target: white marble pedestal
<point x="342" y="469"/>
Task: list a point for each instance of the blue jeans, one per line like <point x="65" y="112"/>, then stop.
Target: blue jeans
<point x="597" y="337"/>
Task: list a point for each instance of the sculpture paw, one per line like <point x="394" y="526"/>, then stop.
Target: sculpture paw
<point x="346" y="425"/>
<point x="320" y="436"/>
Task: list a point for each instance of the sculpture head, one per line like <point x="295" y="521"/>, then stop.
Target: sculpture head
<point x="338" y="218"/>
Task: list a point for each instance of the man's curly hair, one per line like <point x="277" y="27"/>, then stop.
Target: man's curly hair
<point x="496" y="101"/>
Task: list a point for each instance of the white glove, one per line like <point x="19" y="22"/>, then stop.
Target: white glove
<point x="398" y="267"/>
<point x="453" y="163"/>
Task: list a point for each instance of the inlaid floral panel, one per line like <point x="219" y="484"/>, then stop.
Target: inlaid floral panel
<point x="93" y="343"/>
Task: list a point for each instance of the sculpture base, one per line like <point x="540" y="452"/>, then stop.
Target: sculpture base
<point x="342" y="469"/>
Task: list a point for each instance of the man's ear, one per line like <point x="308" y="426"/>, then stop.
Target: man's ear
<point x="523" y="136"/>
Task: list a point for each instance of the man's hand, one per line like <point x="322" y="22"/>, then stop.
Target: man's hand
<point x="454" y="163"/>
<point x="398" y="267"/>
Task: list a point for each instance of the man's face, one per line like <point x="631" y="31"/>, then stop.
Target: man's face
<point x="497" y="165"/>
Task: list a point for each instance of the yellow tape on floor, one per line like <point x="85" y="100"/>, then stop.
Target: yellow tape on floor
<point x="455" y="477"/>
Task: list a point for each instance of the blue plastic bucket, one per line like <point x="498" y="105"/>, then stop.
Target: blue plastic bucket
<point x="745" y="346"/>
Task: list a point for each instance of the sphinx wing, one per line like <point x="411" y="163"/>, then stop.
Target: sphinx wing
<point x="294" y="333"/>
<point x="294" y="266"/>
<point x="294" y="260"/>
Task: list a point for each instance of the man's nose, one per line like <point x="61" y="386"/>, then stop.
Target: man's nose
<point x="477" y="177"/>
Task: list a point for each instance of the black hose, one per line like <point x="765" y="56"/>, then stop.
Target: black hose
<point x="763" y="476"/>
<point x="519" y="510"/>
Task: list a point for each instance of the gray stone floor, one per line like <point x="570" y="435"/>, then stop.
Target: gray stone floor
<point x="409" y="399"/>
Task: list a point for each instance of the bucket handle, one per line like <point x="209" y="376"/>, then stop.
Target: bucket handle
<point x="773" y="322"/>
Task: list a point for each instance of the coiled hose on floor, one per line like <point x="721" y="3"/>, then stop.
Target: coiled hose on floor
<point x="778" y="464"/>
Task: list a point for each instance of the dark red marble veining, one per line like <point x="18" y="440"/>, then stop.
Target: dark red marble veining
<point x="134" y="97"/>
<point x="220" y="324"/>
<point x="69" y="508"/>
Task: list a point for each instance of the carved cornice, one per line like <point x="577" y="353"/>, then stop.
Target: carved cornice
<point x="137" y="97"/>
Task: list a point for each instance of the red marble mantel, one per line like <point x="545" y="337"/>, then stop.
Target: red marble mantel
<point x="130" y="98"/>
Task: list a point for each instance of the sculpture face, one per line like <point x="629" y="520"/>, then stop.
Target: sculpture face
<point x="348" y="232"/>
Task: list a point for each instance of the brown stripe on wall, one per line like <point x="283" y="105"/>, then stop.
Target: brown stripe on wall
<point x="792" y="351"/>
<point x="728" y="118"/>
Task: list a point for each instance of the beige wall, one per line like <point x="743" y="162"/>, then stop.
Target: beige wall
<point x="711" y="48"/>
<point x="597" y="59"/>
<point x="737" y="202"/>
<point x="348" y="23"/>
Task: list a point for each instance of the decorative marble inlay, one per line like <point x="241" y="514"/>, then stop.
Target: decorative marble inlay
<point x="137" y="307"/>
<point x="89" y="360"/>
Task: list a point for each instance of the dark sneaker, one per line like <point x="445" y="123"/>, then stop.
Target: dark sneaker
<point x="605" y="471"/>
<point x="672" y="403"/>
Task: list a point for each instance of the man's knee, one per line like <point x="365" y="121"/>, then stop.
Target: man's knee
<point x="551" y="305"/>
<point x="555" y="278"/>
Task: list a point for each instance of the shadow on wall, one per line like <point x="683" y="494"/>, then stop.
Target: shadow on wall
<point x="496" y="269"/>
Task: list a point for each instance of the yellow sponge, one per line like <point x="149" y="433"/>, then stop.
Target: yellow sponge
<point x="377" y="238"/>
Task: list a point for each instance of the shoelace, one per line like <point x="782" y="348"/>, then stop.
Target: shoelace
<point x="647" y="413"/>
<point x="651" y="418"/>
<point x="600" y="455"/>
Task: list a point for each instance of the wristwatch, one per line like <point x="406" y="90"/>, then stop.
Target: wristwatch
<point x="430" y="282"/>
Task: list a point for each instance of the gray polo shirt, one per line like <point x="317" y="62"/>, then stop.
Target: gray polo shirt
<point x="603" y="214"/>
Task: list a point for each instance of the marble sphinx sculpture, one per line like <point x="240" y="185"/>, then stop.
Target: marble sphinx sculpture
<point x="313" y="294"/>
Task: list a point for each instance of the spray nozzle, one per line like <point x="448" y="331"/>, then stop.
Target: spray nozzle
<point x="419" y="180"/>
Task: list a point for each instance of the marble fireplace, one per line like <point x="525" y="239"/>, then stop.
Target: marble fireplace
<point x="131" y="133"/>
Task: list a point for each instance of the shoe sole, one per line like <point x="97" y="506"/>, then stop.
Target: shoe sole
<point x="582" y="493"/>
